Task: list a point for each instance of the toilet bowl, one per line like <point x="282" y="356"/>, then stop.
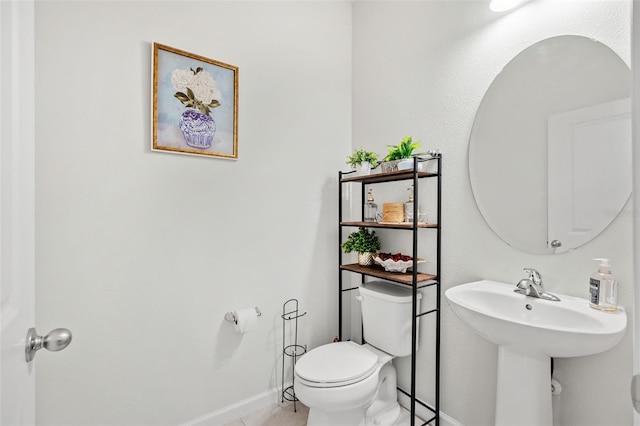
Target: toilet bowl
<point x="345" y="383"/>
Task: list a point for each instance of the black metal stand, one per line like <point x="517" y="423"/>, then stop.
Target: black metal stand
<point x="414" y="278"/>
<point x="290" y="313"/>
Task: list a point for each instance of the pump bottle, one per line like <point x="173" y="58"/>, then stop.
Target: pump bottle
<point x="603" y="288"/>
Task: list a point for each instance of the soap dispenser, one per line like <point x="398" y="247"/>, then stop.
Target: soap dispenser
<point x="603" y="288"/>
<point x="408" y="207"/>
<point x="370" y="208"/>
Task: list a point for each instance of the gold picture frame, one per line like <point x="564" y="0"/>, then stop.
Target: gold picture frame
<point x="195" y="104"/>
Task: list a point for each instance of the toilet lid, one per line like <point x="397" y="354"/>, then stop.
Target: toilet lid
<point x="336" y="363"/>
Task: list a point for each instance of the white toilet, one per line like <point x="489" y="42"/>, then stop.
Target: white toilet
<point x="347" y="384"/>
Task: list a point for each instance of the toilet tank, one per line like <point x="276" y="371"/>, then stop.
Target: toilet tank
<point x="386" y="316"/>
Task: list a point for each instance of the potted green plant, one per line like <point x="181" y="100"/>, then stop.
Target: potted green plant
<point x="363" y="161"/>
<point x="366" y="243"/>
<point x="398" y="153"/>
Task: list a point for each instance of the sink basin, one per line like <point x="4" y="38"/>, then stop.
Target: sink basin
<point x="567" y="328"/>
<point x="528" y="331"/>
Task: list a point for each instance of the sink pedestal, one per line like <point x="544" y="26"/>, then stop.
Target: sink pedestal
<point x="524" y="388"/>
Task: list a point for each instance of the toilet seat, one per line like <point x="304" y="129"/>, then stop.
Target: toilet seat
<point x="336" y="364"/>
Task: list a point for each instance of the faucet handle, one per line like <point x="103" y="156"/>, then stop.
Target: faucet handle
<point x="524" y="285"/>
<point x="534" y="275"/>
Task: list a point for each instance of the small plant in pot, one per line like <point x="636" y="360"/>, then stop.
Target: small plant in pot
<point x="366" y="243"/>
<point x="363" y="161"/>
<point x="401" y="153"/>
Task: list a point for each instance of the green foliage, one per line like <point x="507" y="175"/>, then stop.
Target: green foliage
<point x="403" y="150"/>
<point x="362" y="241"/>
<point x="360" y="156"/>
<point x="189" y="100"/>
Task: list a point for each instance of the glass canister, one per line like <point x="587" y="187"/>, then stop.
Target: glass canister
<point x="370" y="208"/>
<point x="408" y="207"/>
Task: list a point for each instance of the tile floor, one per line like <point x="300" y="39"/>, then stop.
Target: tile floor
<point x="283" y="415"/>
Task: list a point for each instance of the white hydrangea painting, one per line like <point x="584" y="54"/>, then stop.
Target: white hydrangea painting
<point x="195" y="104"/>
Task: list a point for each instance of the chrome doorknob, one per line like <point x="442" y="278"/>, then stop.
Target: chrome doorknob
<point x="56" y="340"/>
<point x="635" y="392"/>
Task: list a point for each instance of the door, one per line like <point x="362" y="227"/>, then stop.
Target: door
<point x="587" y="187"/>
<point x="17" y="384"/>
<point x="635" y="122"/>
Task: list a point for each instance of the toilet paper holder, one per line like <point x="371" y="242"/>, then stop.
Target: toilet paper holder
<point x="231" y="317"/>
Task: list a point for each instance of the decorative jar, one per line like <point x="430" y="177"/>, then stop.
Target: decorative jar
<point x="198" y="128"/>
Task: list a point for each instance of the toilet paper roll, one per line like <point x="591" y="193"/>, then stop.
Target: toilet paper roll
<point x="246" y="320"/>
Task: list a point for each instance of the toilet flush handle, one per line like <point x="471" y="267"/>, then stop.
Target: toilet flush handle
<point x="359" y="298"/>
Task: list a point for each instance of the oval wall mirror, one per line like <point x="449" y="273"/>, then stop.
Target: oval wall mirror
<point x="550" y="148"/>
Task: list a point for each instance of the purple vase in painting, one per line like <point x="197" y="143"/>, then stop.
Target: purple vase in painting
<point x="198" y="128"/>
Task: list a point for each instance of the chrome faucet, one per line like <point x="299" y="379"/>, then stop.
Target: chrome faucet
<point x="533" y="287"/>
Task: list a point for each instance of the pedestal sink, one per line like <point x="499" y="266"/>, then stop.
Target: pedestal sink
<point x="529" y="331"/>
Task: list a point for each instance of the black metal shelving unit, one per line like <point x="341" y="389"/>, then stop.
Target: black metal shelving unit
<point x="414" y="278"/>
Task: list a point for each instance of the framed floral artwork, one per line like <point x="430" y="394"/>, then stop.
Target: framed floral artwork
<point x="195" y="104"/>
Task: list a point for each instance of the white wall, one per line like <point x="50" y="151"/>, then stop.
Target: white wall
<point x="421" y="69"/>
<point x="141" y="253"/>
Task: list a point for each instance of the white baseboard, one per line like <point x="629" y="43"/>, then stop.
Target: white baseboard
<point x="424" y="413"/>
<point x="237" y="410"/>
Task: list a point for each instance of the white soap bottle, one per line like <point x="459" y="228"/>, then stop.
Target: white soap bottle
<point x="603" y="288"/>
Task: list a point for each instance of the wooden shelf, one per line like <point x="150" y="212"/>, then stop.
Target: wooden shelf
<point x="385" y="177"/>
<point x="379" y="272"/>
<point x="389" y="225"/>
